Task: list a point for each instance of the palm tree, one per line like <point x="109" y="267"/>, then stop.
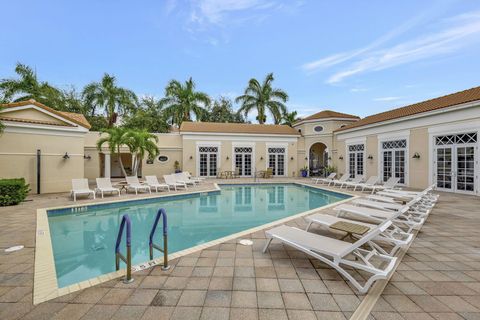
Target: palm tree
<point x="27" y="86"/>
<point x="263" y="98"/>
<point x="290" y="118"/>
<point x="108" y="96"/>
<point x="182" y="101"/>
<point x="140" y="143"/>
<point x="116" y="138"/>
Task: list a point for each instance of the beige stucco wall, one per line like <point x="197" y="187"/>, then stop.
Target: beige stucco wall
<point x="32" y="114"/>
<point x="18" y="159"/>
<point x="226" y="151"/>
<point x="371" y="165"/>
<point x="418" y="168"/>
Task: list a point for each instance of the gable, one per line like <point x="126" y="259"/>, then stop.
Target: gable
<point x="31" y="115"/>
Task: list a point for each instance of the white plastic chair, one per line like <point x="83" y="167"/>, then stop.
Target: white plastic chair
<point x="79" y="187"/>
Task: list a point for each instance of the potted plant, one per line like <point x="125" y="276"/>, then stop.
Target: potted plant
<point x="330" y="169"/>
<point x="304" y="171"/>
<point x="176" y="165"/>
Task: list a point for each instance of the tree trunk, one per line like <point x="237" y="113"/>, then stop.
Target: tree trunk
<point x="121" y="162"/>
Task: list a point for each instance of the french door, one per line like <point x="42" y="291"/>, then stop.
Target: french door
<point x="394" y="160"/>
<point x="355" y="159"/>
<point x="276" y="160"/>
<point x="243" y="160"/>
<point x="455" y="163"/>
<point x="207" y="165"/>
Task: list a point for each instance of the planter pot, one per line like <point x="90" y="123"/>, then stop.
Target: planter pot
<point x="178" y="170"/>
<point x="304" y="174"/>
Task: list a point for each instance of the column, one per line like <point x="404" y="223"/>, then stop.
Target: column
<point x="107" y="165"/>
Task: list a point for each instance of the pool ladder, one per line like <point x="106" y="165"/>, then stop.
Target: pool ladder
<point x="118" y="255"/>
<point x="128" y="259"/>
<point x="161" y="213"/>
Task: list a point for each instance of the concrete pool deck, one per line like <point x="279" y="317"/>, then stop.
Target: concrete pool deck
<point x="439" y="277"/>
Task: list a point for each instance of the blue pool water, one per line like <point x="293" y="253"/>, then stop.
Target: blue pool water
<point x="83" y="239"/>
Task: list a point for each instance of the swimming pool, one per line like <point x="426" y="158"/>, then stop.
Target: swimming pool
<point x="83" y="238"/>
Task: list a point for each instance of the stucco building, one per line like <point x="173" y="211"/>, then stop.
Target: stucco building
<point x="434" y="141"/>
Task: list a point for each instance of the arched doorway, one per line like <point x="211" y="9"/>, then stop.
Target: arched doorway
<point x="318" y="159"/>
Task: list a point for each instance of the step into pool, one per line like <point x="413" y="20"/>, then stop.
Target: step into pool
<point x="83" y="238"/>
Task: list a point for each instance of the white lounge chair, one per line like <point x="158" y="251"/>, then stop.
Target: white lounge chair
<point x="353" y="182"/>
<point x="400" y="217"/>
<point x="369" y="184"/>
<point x="171" y="181"/>
<point x="391" y="183"/>
<point x="413" y="205"/>
<point x="337" y="253"/>
<point x="327" y="180"/>
<point x="426" y="194"/>
<point x="194" y="178"/>
<point x="342" y="179"/>
<point x="185" y="177"/>
<point x="153" y="183"/>
<point x="181" y="178"/>
<point x="105" y="185"/>
<point x="394" y="236"/>
<point x="134" y="183"/>
<point x="79" y="187"/>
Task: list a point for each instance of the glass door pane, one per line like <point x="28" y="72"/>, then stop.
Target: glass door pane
<point x="387" y="165"/>
<point x="247" y="162"/>
<point x="400" y="165"/>
<point x="465" y="175"/>
<point x="213" y="164"/>
<point x="444" y="168"/>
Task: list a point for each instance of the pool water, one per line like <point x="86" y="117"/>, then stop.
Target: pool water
<point x="83" y="239"/>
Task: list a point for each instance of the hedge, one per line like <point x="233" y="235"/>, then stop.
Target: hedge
<point x="13" y="191"/>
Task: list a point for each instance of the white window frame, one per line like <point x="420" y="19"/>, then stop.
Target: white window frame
<point x="277" y="145"/>
<point x="456" y="128"/>
<point x="244" y="145"/>
<point x="404" y="135"/>
<point x="216" y="144"/>
<point x="350" y="142"/>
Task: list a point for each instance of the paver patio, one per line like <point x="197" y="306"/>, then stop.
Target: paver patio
<point x="439" y="277"/>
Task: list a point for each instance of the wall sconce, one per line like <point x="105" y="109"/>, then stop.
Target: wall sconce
<point x="329" y="158"/>
<point x="291" y="158"/>
<point x="228" y="158"/>
<point x="261" y="158"/>
<point x="191" y="157"/>
<point x="370" y="157"/>
<point x="306" y="158"/>
<point x="87" y="157"/>
<point x="340" y="158"/>
<point x="416" y="155"/>
<point x="66" y="156"/>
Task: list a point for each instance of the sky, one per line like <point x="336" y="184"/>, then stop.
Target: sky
<point x="358" y="57"/>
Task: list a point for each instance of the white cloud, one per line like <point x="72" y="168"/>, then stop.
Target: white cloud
<point x="387" y="99"/>
<point x="215" y="11"/>
<point x="358" y="89"/>
<point x="452" y="34"/>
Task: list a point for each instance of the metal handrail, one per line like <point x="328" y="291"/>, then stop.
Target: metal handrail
<point x="161" y="212"/>
<point x="118" y="255"/>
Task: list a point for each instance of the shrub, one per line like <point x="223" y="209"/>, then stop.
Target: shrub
<point x="13" y="191"/>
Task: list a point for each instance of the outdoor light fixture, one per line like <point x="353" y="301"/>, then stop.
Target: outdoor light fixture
<point x="340" y="158"/>
<point x="329" y="158"/>
<point x="228" y="158"/>
<point x="416" y="155"/>
<point x="306" y="158"/>
<point x="261" y="158"/>
<point x="291" y="158"/>
<point x="66" y="156"/>
<point x="191" y="157"/>
<point x="370" y="157"/>
<point x="87" y="157"/>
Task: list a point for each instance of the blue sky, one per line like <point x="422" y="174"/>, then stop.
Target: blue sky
<point x="359" y="57"/>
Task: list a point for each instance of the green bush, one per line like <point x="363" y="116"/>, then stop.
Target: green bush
<point x="13" y="191"/>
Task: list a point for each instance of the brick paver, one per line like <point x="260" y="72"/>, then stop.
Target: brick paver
<point x="438" y="278"/>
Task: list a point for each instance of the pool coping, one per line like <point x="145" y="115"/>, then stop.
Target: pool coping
<point x="45" y="285"/>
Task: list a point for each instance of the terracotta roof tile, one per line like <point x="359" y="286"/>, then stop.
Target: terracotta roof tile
<point x="450" y="100"/>
<point x="220" y="127"/>
<point x="74" y="117"/>
<point x="330" y="114"/>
